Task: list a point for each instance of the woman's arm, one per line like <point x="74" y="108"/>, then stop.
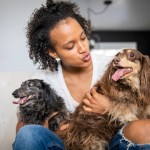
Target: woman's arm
<point x="95" y="102"/>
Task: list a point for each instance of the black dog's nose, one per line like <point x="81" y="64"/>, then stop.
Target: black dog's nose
<point x="116" y="60"/>
<point x="15" y="93"/>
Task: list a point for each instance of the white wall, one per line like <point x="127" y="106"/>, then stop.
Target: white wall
<point x="14" y="15"/>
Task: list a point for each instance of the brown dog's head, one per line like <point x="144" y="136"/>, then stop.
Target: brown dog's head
<point x="131" y="67"/>
<point x="127" y="66"/>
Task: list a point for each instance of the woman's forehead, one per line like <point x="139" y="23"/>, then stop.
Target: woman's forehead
<point x="65" y="30"/>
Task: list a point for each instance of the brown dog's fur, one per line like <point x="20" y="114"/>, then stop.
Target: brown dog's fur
<point x="130" y="96"/>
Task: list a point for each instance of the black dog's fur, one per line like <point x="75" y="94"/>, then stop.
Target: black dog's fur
<point x="38" y="103"/>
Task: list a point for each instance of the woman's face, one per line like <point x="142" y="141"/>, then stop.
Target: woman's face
<point x="71" y="44"/>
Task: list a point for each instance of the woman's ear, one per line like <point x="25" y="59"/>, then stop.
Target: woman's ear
<point x="53" y="54"/>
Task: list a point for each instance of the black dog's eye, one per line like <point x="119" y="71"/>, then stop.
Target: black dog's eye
<point x="31" y="84"/>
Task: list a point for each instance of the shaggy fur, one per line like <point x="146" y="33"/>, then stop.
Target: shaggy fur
<point x="126" y="82"/>
<point x="38" y="104"/>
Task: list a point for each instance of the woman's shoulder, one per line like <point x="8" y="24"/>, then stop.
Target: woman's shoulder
<point x="41" y="73"/>
<point x="45" y="75"/>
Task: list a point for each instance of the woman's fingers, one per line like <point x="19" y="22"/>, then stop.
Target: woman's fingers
<point x="64" y="126"/>
<point x="87" y="102"/>
<point x="93" y="91"/>
<point x="88" y="96"/>
<point x="95" y="102"/>
<point x="88" y="109"/>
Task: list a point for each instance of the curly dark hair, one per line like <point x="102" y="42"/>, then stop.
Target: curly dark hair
<point x="42" y="21"/>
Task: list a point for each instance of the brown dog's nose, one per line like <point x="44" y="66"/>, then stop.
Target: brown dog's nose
<point x="116" y="60"/>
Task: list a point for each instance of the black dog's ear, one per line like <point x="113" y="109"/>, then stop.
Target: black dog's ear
<point x="145" y="80"/>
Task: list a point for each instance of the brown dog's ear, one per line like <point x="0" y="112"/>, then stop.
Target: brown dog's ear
<point x="107" y="76"/>
<point x="104" y="83"/>
<point x="145" y="80"/>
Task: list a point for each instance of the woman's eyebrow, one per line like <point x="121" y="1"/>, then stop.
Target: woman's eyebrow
<point x="65" y="44"/>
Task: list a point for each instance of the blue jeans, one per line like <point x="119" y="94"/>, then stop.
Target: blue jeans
<point x="37" y="137"/>
<point x="119" y="142"/>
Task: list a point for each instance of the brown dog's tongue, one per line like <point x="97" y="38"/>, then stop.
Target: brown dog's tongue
<point x="118" y="74"/>
<point x="20" y="101"/>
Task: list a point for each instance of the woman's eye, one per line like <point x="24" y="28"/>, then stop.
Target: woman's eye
<point x="70" y="47"/>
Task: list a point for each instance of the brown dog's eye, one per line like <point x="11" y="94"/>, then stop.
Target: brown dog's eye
<point x="131" y="55"/>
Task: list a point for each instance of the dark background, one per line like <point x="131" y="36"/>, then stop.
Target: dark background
<point x="142" y="38"/>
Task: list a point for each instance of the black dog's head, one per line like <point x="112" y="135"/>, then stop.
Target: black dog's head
<point x="38" y="102"/>
<point x="29" y="91"/>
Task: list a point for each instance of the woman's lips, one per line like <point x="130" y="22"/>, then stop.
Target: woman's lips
<point x="86" y="58"/>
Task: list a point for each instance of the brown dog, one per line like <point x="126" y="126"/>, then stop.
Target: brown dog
<point x="126" y="82"/>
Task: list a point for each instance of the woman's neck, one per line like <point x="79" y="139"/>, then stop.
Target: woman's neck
<point x="78" y="81"/>
<point x="76" y="70"/>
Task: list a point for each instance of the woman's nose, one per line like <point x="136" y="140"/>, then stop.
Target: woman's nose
<point x="82" y="47"/>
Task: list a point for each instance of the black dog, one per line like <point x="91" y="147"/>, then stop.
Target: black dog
<point x="39" y="103"/>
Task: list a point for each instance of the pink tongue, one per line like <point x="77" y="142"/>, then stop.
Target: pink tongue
<point x="118" y="74"/>
<point x="21" y="101"/>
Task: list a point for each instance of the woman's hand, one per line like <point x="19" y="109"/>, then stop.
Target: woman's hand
<point x="95" y="102"/>
<point x="63" y="126"/>
<point x="19" y="125"/>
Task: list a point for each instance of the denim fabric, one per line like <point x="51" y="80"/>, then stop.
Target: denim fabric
<point x="119" y="142"/>
<point x="37" y="137"/>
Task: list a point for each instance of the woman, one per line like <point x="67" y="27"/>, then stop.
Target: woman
<point x="58" y="31"/>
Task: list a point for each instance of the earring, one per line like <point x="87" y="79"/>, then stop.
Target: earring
<point x="57" y="58"/>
